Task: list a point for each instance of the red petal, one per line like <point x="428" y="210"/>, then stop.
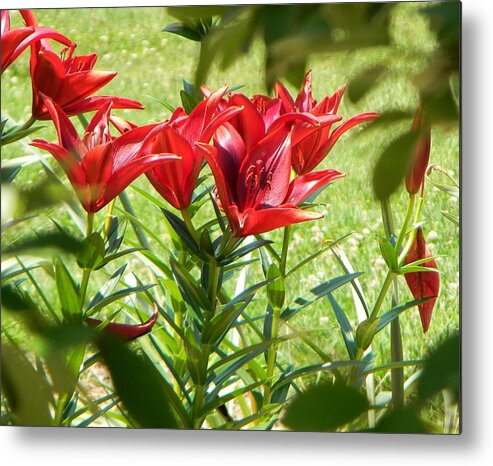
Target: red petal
<point x="201" y="115"/>
<point x="78" y="86"/>
<point x="128" y="146"/>
<point x="419" y="164"/>
<point x="305" y="102"/>
<point x="423" y="284"/>
<point x="256" y="221"/>
<point x="121" y="178"/>
<point x="272" y="156"/>
<point x="282" y="93"/>
<point x="249" y="123"/>
<point x="121" y="124"/>
<point x="305" y="185"/>
<point x="17" y="40"/>
<point x="325" y="148"/>
<point x="126" y="331"/>
<point x="67" y="134"/>
<point x="93" y="103"/>
<point x="217" y="166"/>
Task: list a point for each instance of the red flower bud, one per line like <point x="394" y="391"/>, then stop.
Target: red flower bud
<point x="423" y="284"/>
<point x="416" y="174"/>
<point x="126" y="331"/>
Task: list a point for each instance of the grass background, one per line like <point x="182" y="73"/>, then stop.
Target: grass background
<point x="152" y="64"/>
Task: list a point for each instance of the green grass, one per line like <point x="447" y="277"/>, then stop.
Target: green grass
<point x="153" y="63"/>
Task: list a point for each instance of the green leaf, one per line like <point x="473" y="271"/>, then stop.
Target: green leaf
<point x="324" y="407"/>
<point x="13" y="135"/>
<point x="44" y="242"/>
<point x="316" y="254"/>
<point x="363" y="82"/>
<point x="68" y="293"/>
<point x="442" y="370"/>
<point x="181" y="230"/>
<point x="220" y="324"/>
<point x="453" y="218"/>
<point x="139" y="385"/>
<point x="115" y="297"/>
<point x="393" y="165"/>
<point x="27" y="393"/>
<point x="345" y="326"/>
<point x="390" y="315"/>
<point x="108" y="287"/>
<point x="244" y="250"/>
<point x="318" y="292"/>
<point x="91" y="254"/>
<point x="181" y="30"/>
<point x="388" y="253"/>
<point x="401" y="421"/>
<point x="191" y="291"/>
<point x="276" y="289"/>
<point x="244" y="295"/>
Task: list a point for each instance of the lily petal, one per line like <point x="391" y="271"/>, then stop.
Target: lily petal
<point x="126" y="331"/>
<point x="256" y="221"/>
<point x="305" y="185"/>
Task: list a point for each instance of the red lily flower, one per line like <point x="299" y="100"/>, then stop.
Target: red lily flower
<point x="70" y="81"/>
<point x="175" y="181"/>
<point x="309" y="152"/>
<point x="98" y="166"/>
<point x="416" y="175"/>
<point x="126" y="331"/>
<point x="423" y="284"/>
<point x="15" y="41"/>
<point x="252" y="173"/>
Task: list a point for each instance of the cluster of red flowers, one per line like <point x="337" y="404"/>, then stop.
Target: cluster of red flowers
<point x="256" y="142"/>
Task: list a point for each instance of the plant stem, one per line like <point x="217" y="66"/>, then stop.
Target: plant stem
<point x="86" y="273"/>
<point x="272" y="355"/>
<point x="285" y="248"/>
<point x="407" y="218"/>
<point x="109" y="218"/>
<point x="188" y="222"/>
<point x="276" y="314"/>
<point x="397" y="374"/>
<point x="27" y="124"/>
<point x="200" y="389"/>
<point x="138" y="231"/>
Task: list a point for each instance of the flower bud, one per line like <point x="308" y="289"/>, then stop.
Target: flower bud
<point x="423" y="284"/>
<point x="365" y="333"/>
<point x="416" y="174"/>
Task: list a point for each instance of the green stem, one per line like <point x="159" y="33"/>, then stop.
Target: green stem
<point x="285" y="248"/>
<point x="188" y="222"/>
<point x="109" y="218"/>
<point x="272" y="356"/>
<point x="276" y="314"/>
<point x="200" y="389"/>
<point x="407" y="218"/>
<point x="381" y="296"/>
<point x="397" y="374"/>
<point x="410" y="240"/>
<point x="76" y="357"/>
<point x="86" y="273"/>
<point x="27" y="124"/>
<point x="396" y="354"/>
<point x="137" y="229"/>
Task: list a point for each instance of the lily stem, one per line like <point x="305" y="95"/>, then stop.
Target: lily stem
<point x="188" y="222"/>
<point x="109" y="218"/>
<point x="86" y="273"/>
<point x="276" y="317"/>
<point x="214" y="283"/>
<point x="397" y="373"/>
